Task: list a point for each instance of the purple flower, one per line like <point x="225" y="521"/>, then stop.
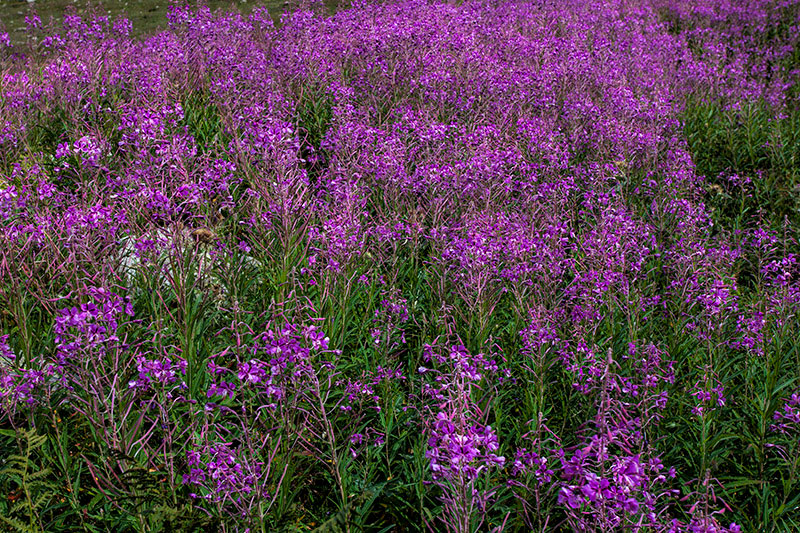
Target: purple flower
<point x="631" y="506"/>
<point x="567" y="497"/>
<point x="5" y="349"/>
<point x="252" y="372"/>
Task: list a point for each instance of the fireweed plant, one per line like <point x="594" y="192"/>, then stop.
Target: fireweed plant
<point x="408" y="266"/>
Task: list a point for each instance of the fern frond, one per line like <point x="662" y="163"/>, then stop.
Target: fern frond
<point x="32" y="480"/>
<point x="16" y="524"/>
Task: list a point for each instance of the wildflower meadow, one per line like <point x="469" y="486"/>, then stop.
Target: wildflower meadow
<point x="466" y="266"/>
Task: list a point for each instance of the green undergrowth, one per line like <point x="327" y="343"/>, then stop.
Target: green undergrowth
<point x="203" y="121"/>
<point x="750" y="158"/>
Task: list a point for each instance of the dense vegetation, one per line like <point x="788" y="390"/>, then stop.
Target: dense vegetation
<point x="493" y="266"/>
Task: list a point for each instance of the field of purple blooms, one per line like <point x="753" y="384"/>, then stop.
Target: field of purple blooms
<point x="478" y="266"/>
